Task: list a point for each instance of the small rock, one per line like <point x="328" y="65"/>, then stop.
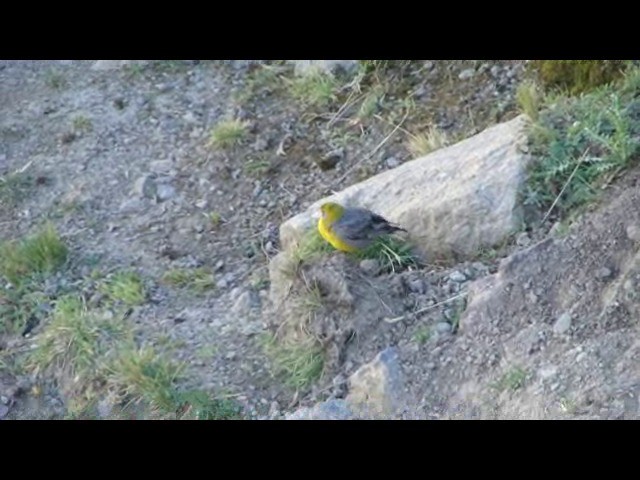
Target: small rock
<point x="4" y="411"/>
<point x="417" y="285"/>
<point x="146" y="187"/>
<point x="604" y="273"/>
<point x="219" y="266"/>
<point x="431" y="366"/>
<point x="457" y="276"/>
<point x="4" y="400"/>
<point x="245" y="302"/>
<point x="523" y="240"/>
<point x="231" y="355"/>
<point x="370" y="266"/>
<point x="391" y="162"/>
<point x="165" y="192"/>
<point x="443" y="327"/>
<point x="260" y="144"/>
<point x="201" y="204"/>
<point x="467" y="74"/>
<point x="633" y="233"/>
<point x="495" y="70"/>
<point x="563" y="324"/>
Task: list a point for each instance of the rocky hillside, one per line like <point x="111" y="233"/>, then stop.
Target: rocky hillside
<point x="157" y="262"/>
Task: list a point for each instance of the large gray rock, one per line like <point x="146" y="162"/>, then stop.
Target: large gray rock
<point x="302" y="67"/>
<point x="455" y="200"/>
<point x="377" y="388"/>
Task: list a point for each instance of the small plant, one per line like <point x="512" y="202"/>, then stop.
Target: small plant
<point x="55" y="80"/>
<point x="311" y="246"/>
<point x="227" y="133"/>
<point x="422" y="335"/>
<point x="13" y="188"/>
<point x="126" y="288"/>
<point x="299" y="362"/>
<point x="391" y="253"/>
<point x="315" y="89"/>
<point x="39" y="254"/>
<point x="140" y="375"/>
<point x="512" y="380"/>
<point x="425" y="143"/>
<point x="529" y="99"/>
<point x="257" y="167"/>
<point x="82" y="123"/>
<point x="199" y="279"/>
<point x="215" y="219"/>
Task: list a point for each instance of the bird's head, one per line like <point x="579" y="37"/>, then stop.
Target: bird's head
<point x="331" y="211"/>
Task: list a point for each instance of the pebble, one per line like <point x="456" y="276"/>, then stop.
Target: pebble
<point x="604" y="273"/>
<point x="457" y="276"/>
<point x="392" y="162"/>
<point x="633" y="233"/>
<point x="370" y="266"/>
<point x="443" y="327"/>
<point x="4" y="411"/>
<point x="523" y="240"/>
<point x="4" y="400"/>
<point x="562" y="324"/>
<point x="467" y="74"/>
<point x="201" y="204"/>
<point x="495" y="70"/>
<point x="145" y="187"/>
<point x="165" y="192"/>
<point x="417" y="285"/>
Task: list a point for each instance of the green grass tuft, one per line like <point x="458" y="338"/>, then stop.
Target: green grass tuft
<point x="198" y="279"/>
<point x="39" y="254"/>
<point x="578" y="76"/>
<point x="391" y="253"/>
<point x="227" y="133"/>
<point x="126" y="288"/>
<point x="315" y="89"/>
<point x="299" y="362"/>
<point x="512" y="380"/>
<point x="529" y="99"/>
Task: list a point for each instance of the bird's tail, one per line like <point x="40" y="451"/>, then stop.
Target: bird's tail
<point x="395" y="228"/>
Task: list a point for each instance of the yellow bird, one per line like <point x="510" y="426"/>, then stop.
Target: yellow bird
<point x="351" y="229"/>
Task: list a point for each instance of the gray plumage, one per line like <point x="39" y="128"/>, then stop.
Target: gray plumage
<point x="359" y="227"/>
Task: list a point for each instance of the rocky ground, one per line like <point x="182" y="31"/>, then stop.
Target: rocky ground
<point x="120" y="161"/>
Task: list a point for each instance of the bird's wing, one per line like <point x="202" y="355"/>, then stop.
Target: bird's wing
<point x="356" y="224"/>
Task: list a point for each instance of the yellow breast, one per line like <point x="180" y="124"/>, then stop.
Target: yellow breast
<point x="329" y="235"/>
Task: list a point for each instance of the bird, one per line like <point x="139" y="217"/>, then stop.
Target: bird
<point x="352" y="229"/>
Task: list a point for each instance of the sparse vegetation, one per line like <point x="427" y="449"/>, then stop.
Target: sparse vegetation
<point x="125" y="288"/>
<point x="315" y="89"/>
<point x="422" y="335"/>
<point x="198" y="280"/>
<point x="424" y="143"/>
<point x="13" y="188"/>
<point x="55" y="80"/>
<point x="578" y="76"/>
<point x="299" y="362"/>
<point x="39" y="254"/>
<point x="529" y="99"/>
<point x="581" y="144"/>
<point x="512" y="380"/>
<point x="82" y="123"/>
<point x="391" y="253"/>
<point x="227" y="133"/>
